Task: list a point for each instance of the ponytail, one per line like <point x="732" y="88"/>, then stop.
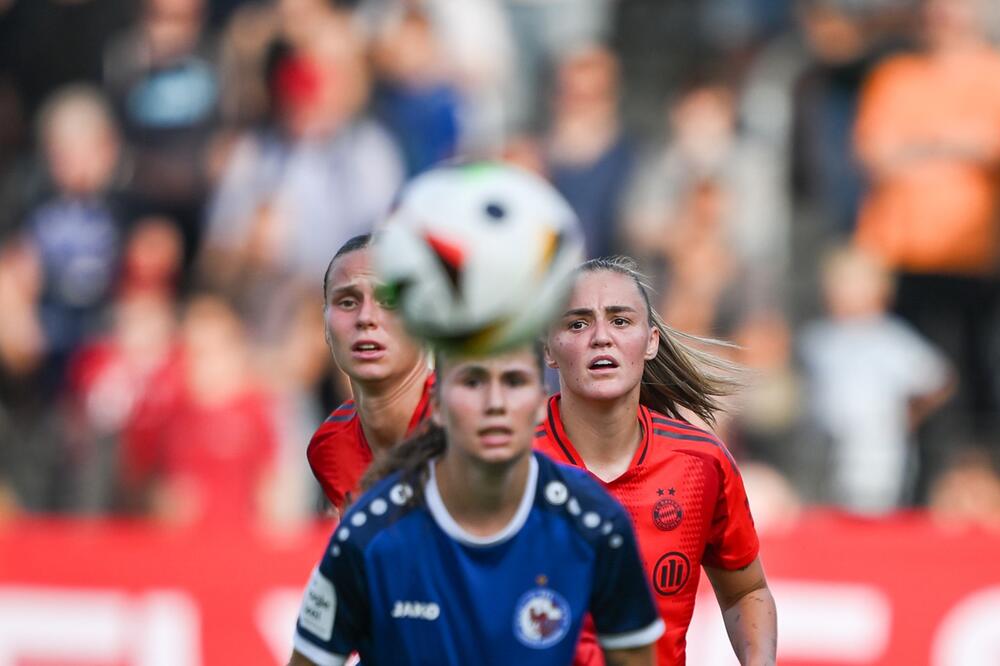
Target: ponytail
<point x="681" y="375"/>
<point x="410" y="459"/>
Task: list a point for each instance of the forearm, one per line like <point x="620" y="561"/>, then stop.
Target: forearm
<point x="641" y="656"/>
<point x="751" y="623"/>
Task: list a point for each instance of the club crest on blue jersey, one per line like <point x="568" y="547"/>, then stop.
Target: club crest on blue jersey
<point x="541" y="618"/>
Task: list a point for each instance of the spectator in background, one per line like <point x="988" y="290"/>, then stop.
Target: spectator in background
<point x="873" y="379"/>
<point x="543" y="32"/>
<point x="474" y="40"/>
<point x="966" y="494"/>
<point x="106" y="379"/>
<point x="589" y="159"/>
<point x="843" y="47"/>
<point x="708" y="161"/>
<point x="153" y="260"/>
<point x="76" y="230"/>
<point x="161" y="76"/>
<point x="413" y="97"/>
<point x="317" y="174"/>
<point x="30" y="455"/>
<point x="928" y="135"/>
<point x="113" y="370"/>
<point x="200" y="444"/>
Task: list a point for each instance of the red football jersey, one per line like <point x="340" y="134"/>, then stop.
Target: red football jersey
<point x="689" y="508"/>
<point x="339" y="453"/>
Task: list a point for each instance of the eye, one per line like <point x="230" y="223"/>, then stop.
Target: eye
<point x="577" y="325"/>
<point x="620" y="321"/>
<point x="470" y="381"/>
<point x="516" y="379"/>
<point x="347" y="303"/>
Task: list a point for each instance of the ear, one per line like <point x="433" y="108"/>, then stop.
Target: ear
<point x="653" y="344"/>
<point x="549" y="361"/>
<point x="436" y="417"/>
<point x="541" y="412"/>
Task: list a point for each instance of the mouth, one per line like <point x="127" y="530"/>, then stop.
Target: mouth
<point x="602" y="363"/>
<point x="367" y="349"/>
<point x="495" y="435"/>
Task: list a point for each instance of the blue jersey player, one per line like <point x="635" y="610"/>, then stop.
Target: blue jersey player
<point x="474" y="550"/>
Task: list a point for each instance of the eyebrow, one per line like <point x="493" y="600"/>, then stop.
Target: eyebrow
<point x="589" y="312"/>
<point x="351" y="288"/>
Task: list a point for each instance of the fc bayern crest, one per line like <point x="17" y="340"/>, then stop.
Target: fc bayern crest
<point x="667" y="514"/>
<point x="541" y="618"/>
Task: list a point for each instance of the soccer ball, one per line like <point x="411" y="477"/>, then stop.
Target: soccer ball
<point x="478" y="257"/>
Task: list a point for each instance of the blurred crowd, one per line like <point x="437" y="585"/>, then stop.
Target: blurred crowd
<point x="817" y="181"/>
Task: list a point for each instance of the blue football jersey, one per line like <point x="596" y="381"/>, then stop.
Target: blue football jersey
<point x="403" y="583"/>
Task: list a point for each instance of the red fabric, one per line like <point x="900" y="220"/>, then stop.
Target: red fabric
<point x="215" y="455"/>
<point x="339" y="454"/>
<point x="221" y="453"/>
<point x="688" y="505"/>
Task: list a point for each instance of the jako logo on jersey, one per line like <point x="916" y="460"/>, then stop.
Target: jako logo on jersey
<point x="417" y="610"/>
<point x="541" y="618"/>
<point x="667" y="514"/>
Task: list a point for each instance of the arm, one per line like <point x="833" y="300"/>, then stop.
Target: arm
<point x="748" y="611"/>
<point x="640" y="656"/>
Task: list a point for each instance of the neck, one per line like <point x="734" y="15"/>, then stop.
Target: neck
<point x="482" y="498"/>
<point x="385" y="408"/>
<point x="606" y="433"/>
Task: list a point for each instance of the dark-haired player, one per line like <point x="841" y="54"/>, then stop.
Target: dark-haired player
<point x="389" y="374"/>
<point x="626" y="381"/>
<point x="475" y="550"/>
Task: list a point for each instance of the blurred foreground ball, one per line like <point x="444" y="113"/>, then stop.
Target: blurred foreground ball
<point x="479" y="257"/>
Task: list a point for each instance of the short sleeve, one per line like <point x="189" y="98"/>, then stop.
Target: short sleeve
<point x="334" y="616"/>
<point x="733" y="542"/>
<point x="621" y="603"/>
<point x="920" y="367"/>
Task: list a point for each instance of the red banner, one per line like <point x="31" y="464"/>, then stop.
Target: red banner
<point x="894" y="592"/>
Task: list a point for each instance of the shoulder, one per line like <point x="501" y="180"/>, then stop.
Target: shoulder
<point x="377" y="510"/>
<point x="337" y="425"/>
<point x="894" y="70"/>
<point x="575" y="497"/>
<point x="684" y="437"/>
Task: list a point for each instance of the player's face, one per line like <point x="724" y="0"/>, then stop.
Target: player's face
<point x="490" y="406"/>
<point x="602" y="341"/>
<point x="366" y="338"/>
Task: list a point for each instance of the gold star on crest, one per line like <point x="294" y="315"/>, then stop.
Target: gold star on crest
<point x="541" y="580"/>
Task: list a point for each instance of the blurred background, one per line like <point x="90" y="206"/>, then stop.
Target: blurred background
<point x="817" y="181"/>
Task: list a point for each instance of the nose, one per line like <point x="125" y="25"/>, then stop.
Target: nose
<point x="367" y="314"/>
<point x="600" y="334"/>
<point x="495" y="399"/>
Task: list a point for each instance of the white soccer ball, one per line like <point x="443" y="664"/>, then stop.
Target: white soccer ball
<point x="479" y="257"/>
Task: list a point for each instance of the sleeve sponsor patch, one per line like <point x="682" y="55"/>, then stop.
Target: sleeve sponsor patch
<point x="319" y="606"/>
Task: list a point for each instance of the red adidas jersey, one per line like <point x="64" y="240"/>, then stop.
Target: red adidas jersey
<point x="339" y="454"/>
<point x="689" y="508"/>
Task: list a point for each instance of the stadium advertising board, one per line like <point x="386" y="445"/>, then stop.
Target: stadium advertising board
<point x="880" y="593"/>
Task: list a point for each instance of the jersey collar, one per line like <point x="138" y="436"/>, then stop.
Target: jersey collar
<point x="423" y="409"/>
<point x="438" y="511"/>
<point x="553" y="421"/>
<point x="419" y="415"/>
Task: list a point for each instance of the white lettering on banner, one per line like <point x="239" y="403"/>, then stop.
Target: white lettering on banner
<point x="842" y="623"/>
<point x="969" y="635"/>
<point x="158" y="628"/>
